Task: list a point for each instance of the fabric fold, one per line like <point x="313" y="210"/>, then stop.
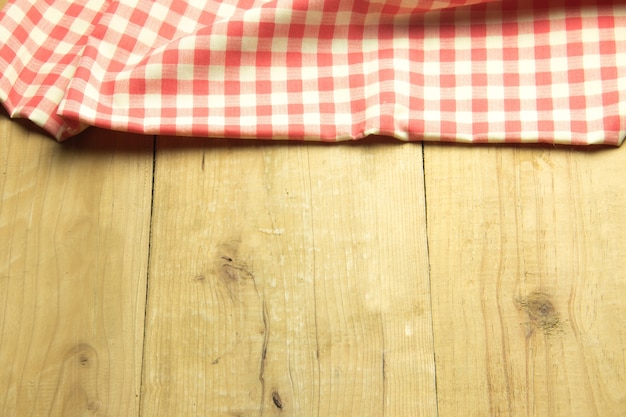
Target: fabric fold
<point x="40" y="46"/>
<point x="470" y="71"/>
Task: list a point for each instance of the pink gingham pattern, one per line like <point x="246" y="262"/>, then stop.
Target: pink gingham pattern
<point x="468" y="71"/>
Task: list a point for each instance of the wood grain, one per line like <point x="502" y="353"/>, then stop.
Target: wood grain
<point x="74" y="226"/>
<point x="527" y="269"/>
<point x="288" y="279"/>
<point x="294" y="278"/>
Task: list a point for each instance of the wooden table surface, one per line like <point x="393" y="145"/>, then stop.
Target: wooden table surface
<point x="150" y="277"/>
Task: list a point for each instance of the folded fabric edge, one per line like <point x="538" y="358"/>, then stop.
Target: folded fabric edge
<point x="56" y="127"/>
<point x="523" y="138"/>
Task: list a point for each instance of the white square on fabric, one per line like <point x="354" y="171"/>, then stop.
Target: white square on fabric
<point x="53" y="16"/>
<point x="278" y="99"/>
<point x="278" y="74"/>
<point x="218" y="42"/>
<point x="561" y="114"/>
<point x="185" y="71"/>
<point x="279" y="119"/>
<point x="152" y="101"/>
<point x="248" y="100"/>
<point x="248" y="120"/>
<point x="279" y="44"/>
<point x="17" y="14"/>
<point x="560" y="90"/>
<point x="225" y="10"/>
<point x="216" y="72"/>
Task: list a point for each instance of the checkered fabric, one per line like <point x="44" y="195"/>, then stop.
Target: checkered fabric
<point x="457" y="70"/>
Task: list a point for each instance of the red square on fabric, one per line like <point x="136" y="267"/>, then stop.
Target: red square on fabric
<point x="576" y="76"/>
<point x="606" y="21"/>
<point x="478" y="31"/>
<point x="326" y="84"/>
<point x="480" y="105"/>
<point x="511" y="79"/>
<point x="200" y="112"/>
<point x="232" y="87"/>
<point x="264" y="110"/>
<point x="327" y="31"/>
<point x="479" y="54"/>
<point x="541" y="27"/>
<point x="545" y="126"/>
<point x="74" y="10"/>
<point x="448" y="106"/>
<point x="297" y="131"/>
<point x="263" y="87"/>
<point x="294" y="58"/>
<point x="235" y="29"/>
<point x="325" y="59"/>
<point x="294" y="86"/>
<point x="385" y="53"/>
<point x="573" y="23"/>
<point x="480" y="128"/>
<point x="327" y="108"/>
<point x="447" y="55"/>
<point x="387" y="74"/>
<point x="512" y="105"/>
<point x="297" y="30"/>
<point x="545" y="104"/>
<point x="608" y="47"/>
<point x="479" y="80"/>
<point x="543" y="52"/>
<point x="137" y="86"/>
<point x="265" y="30"/>
<point x="169" y="87"/>
<point x="167" y="31"/>
<point x="510" y="54"/>
<point x="264" y="58"/>
<point x="510" y="29"/>
<point x="169" y="113"/>
<point x="139" y="17"/>
<point x="179" y="7"/>
<point x="59" y="33"/>
<point x="612" y="123"/>
<point x="295" y="108"/>
<point x="447" y="81"/>
<point x="171" y="56"/>
<point x="232" y="58"/>
<point x="512" y="126"/>
<point x="331" y="6"/>
<point x="610" y="98"/>
<point x="579" y="126"/>
<point x="232" y="111"/>
<point x="127" y="42"/>
<point x="543" y="78"/>
<point x="20" y="36"/>
<point x="43" y="54"/>
<point x="575" y="49"/>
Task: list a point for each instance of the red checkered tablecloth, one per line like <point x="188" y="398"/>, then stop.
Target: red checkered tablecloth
<point x="458" y="70"/>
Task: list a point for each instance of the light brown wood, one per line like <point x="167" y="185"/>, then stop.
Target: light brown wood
<point x="528" y="279"/>
<point x="288" y="279"/>
<point x="74" y="227"/>
<point x="294" y="278"/>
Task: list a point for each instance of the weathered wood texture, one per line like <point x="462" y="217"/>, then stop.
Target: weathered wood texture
<point x="294" y="279"/>
<point x="74" y="227"/>
<point x="528" y="275"/>
<point x="288" y="279"/>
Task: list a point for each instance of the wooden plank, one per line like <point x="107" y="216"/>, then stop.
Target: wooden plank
<point x="288" y="278"/>
<point x="74" y="227"/>
<point x="527" y="268"/>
